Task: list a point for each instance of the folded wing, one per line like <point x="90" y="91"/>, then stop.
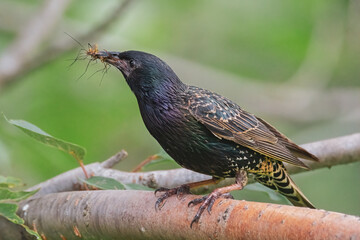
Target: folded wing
<point x="227" y="120"/>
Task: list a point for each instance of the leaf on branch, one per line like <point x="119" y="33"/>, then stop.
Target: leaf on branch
<point x="134" y="186"/>
<point x="8" y="195"/>
<point x="103" y="183"/>
<point x="257" y="192"/>
<point x="32" y="232"/>
<point x="8" y="210"/>
<point x="10" y="182"/>
<point x="33" y="131"/>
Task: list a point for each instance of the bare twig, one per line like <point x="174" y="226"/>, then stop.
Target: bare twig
<point x="143" y="163"/>
<point x="61" y="47"/>
<point x="112" y="161"/>
<point x="131" y="215"/>
<point x="30" y="38"/>
<point x="55" y="50"/>
<point x="331" y="152"/>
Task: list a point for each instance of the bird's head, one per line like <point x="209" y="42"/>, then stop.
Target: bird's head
<point x="144" y="72"/>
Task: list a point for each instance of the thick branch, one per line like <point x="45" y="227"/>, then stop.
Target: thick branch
<point x="131" y="215"/>
<point x="331" y="152"/>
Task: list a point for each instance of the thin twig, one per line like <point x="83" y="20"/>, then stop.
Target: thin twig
<point x="38" y="29"/>
<point x="143" y="163"/>
<point x="54" y="51"/>
<point x="112" y="161"/>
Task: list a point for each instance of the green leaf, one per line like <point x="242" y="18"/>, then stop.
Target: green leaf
<point x="10" y="182"/>
<point x="33" y="131"/>
<point x="273" y="195"/>
<point x="104" y="183"/>
<point x="133" y="186"/>
<point x="7" y="195"/>
<point x="32" y="232"/>
<point x="8" y="210"/>
<point x="259" y="193"/>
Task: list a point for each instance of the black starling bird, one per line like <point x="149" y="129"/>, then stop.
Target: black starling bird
<point x="206" y="132"/>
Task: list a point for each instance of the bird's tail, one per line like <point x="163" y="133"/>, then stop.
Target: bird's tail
<point x="279" y="180"/>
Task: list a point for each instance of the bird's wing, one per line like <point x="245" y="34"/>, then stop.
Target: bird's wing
<point x="293" y="147"/>
<point x="227" y="120"/>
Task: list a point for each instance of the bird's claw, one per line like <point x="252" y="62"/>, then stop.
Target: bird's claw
<point x="162" y="189"/>
<point x="178" y="191"/>
<point x="197" y="201"/>
<point x="207" y="202"/>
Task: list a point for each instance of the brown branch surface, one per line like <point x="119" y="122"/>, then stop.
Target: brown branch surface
<point x="331" y="152"/>
<point x="123" y="214"/>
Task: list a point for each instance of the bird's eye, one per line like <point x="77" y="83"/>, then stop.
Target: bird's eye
<point x="132" y="63"/>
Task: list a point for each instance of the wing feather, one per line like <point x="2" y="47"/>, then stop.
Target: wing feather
<point x="293" y="147"/>
<point x="227" y="120"/>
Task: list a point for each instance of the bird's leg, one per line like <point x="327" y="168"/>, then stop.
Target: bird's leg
<point x="209" y="200"/>
<point x="181" y="190"/>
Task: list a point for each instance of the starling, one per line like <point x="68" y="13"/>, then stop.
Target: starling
<point x="207" y="133"/>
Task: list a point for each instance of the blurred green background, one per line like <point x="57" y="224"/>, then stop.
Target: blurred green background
<point x="295" y="64"/>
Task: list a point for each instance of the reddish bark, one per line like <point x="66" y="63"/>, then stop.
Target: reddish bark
<point x="131" y="215"/>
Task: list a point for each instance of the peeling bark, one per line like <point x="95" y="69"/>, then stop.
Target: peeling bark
<point x="123" y="214"/>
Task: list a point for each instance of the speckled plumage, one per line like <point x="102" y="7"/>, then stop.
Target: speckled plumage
<point x="206" y="132"/>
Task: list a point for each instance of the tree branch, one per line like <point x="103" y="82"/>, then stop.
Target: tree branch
<point x="30" y="38"/>
<point x="60" y="48"/>
<point x="114" y="214"/>
<point x="331" y="152"/>
<point x="131" y="214"/>
<point x="13" y="64"/>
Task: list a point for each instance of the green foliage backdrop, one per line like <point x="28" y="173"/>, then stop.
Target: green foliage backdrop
<point x="311" y="44"/>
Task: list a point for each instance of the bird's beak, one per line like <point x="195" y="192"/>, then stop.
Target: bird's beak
<point x="112" y="58"/>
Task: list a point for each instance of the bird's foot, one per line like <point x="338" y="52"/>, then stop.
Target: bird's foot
<point x="178" y="191"/>
<point x="207" y="202"/>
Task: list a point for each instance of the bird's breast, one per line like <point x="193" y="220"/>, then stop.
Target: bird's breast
<point x="192" y="145"/>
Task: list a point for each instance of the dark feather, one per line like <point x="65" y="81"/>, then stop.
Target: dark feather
<point x="227" y="120"/>
<point x="206" y="132"/>
<point x="275" y="177"/>
<point x="293" y="147"/>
